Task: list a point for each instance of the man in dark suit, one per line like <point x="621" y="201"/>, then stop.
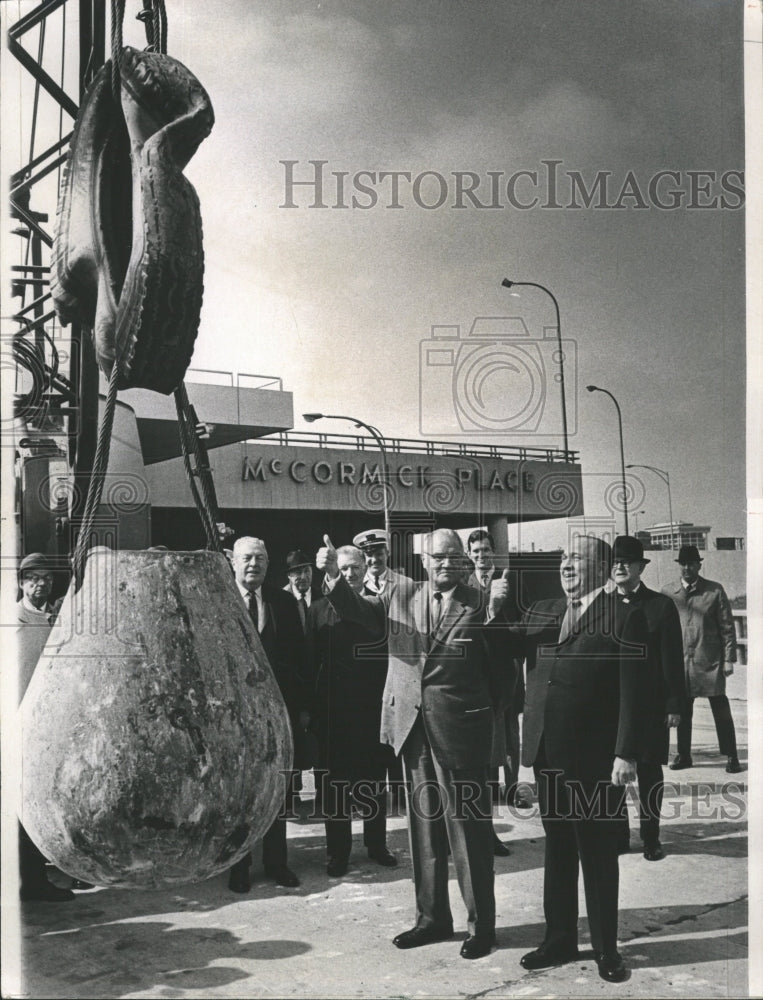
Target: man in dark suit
<point x="441" y="691"/>
<point x="667" y="691"/>
<point x="299" y="569"/>
<point x="481" y="550"/>
<point x="584" y="718"/>
<point x="709" y="655"/>
<point x="276" y="618"/>
<point x="349" y="681"/>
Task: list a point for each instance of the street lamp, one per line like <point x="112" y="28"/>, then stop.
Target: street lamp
<point x="377" y="436"/>
<point x="596" y="388"/>
<point x="665" y="477"/>
<point x="506" y="283"/>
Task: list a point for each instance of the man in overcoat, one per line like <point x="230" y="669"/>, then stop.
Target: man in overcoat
<point x="446" y="656"/>
<point x="667" y="691"/>
<point x="709" y="655"/>
<point x="275" y="616"/>
<point x="348" y="683"/>
<point x="585" y="714"/>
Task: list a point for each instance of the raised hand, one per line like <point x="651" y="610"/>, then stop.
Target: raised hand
<point x="499" y="592"/>
<point x="325" y="558"/>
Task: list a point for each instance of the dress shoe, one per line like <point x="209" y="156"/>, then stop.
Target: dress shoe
<point x="612" y="968"/>
<point x="500" y="850"/>
<point x="239" y="878"/>
<point x="733" y="766"/>
<point x="81" y="886"/>
<point x="680" y="762"/>
<point x="654" y="851"/>
<point x="283" y="876"/>
<point x="382" y="856"/>
<point x="336" y="867"/>
<point x="547" y="955"/>
<point x="46" y="892"/>
<point x="418" y="936"/>
<point x="477" y="945"/>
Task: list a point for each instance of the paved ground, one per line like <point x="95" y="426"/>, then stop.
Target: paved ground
<point x="683" y="921"/>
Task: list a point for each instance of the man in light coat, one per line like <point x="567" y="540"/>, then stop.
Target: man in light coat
<point x="709" y="655"/>
<point x="447" y="652"/>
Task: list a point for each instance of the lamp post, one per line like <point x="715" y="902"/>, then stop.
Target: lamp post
<point x="378" y="438"/>
<point x="506" y="283"/>
<point x="665" y="477"/>
<point x="596" y="388"/>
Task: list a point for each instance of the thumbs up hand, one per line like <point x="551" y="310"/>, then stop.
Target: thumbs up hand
<point x="326" y="560"/>
<point x="499" y="592"/>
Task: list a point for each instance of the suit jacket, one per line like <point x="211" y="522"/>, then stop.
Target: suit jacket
<point x="283" y="640"/>
<point x="347" y="692"/>
<point x="393" y="579"/>
<point x="667" y="689"/>
<point x="709" y="635"/>
<point x="315" y="595"/>
<point x="452" y="678"/>
<point x="513" y="691"/>
<point x="586" y="696"/>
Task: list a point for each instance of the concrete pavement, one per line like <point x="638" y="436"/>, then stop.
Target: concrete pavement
<point x="683" y="921"/>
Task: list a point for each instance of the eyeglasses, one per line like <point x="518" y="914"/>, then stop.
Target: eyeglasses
<point x="38" y="577"/>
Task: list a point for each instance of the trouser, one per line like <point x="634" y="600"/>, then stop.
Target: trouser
<point x="573" y="843"/>
<point x="449" y="806"/>
<point x="274" y="854"/>
<point x="650" y="792"/>
<point x="724" y="726"/>
<point x="32" y="862"/>
<point x="334" y="801"/>
<point x="511" y="771"/>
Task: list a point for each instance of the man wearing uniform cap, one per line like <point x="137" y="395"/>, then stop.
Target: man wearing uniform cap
<point x="709" y="654"/>
<point x="379" y="578"/>
<point x="381" y="581"/>
<point x="666" y="689"/>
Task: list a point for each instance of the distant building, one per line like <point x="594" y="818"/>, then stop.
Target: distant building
<point x="667" y="536"/>
<point x="729" y="542"/>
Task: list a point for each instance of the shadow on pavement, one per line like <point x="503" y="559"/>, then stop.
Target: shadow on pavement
<point x="129" y="957"/>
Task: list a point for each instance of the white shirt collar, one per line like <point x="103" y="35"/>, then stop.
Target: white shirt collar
<point x="586" y="600"/>
<point x="298" y="595"/>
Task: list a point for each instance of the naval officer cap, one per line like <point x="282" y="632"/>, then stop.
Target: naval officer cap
<point x="367" y="539"/>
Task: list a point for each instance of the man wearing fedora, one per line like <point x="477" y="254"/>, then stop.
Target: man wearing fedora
<point x="666" y="690"/>
<point x="299" y="569"/>
<point x="709" y="655"/>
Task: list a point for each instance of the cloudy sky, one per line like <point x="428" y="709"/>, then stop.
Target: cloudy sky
<point x="337" y="300"/>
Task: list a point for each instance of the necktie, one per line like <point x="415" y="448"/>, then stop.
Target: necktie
<point x="303" y="611"/>
<point x="436" y="610"/>
<point x="570" y="618"/>
<point x="251" y="603"/>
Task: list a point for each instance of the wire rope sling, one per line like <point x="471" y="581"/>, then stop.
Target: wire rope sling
<point x="155" y="739"/>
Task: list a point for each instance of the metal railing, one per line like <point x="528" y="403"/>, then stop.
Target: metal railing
<point x="362" y="442"/>
<point x="243" y="380"/>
